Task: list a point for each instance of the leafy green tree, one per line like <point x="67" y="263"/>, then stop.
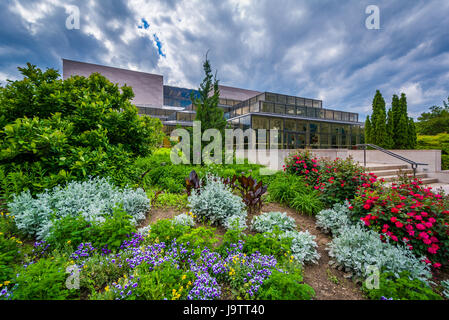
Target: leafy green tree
<point x="412" y="137"/>
<point x="54" y="130"/>
<point x="434" y="122"/>
<point x="396" y="115"/>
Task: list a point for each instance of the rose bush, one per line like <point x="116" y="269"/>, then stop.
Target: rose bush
<point x="407" y="213"/>
<point x="337" y="180"/>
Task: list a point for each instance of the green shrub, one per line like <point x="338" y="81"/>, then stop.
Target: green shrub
<point x="285" y="187"/>
<point x="201" y="236"/>
<point x="266" y="222"/>
<point x="110" y="233"/>
<point x="285" y="286"/>
<point x="216" y="203"/>
<point x="70" y="129"/>
<point x="94" y="199"/>
<point x="113" y="231"/>
<point x="43" y="280"/>
<point x="10" y="254"/>
<point x="400" y="288"/>
<point x="174" y="200"/>
<point x="166" y="231"/>
<point x="309" y="203"/>
<point x="267" y="244"/>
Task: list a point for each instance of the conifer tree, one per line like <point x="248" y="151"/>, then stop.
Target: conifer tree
<point x="368" y="129"/>
<point x="378" y="120"/>
<point x="389" y="141"/>
<point x="396" y="115"/>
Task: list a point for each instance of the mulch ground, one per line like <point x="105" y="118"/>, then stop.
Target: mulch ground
<point x="329" y="283"/>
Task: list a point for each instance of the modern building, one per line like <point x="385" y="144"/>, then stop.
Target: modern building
<point x="302" y="122"/>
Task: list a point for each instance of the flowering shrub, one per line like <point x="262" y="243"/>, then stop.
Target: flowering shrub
<point x="215" y="202"/>
<point x="268" y="220"/>
<point x="337" y="179"/>
<point x="357" y="248"/>
<point x="93" y="199"/>
<point x="407" y="214"/>
<point x="332" y="220"/>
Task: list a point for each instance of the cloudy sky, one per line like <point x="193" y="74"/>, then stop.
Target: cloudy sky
<point x="313" y="48"/>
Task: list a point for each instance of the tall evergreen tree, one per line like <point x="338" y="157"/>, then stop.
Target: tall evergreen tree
<point x="368" y="129"/>
<point x="389" y="141"/>
<point x="378" y="121"/>
<point x="402" y="133"/>
<point x="208" y="112"/>
<point x="413" y="140"/>
<point x="396" y="115"/>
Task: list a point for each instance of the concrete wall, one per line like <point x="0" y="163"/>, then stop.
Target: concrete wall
<point x="277" y="159"/>
<point x="147" y="87"/>
<point x="236" y="93"/>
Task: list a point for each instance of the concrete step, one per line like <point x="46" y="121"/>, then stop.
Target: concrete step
<point x="429" y="181"/>
<point x="382" y="167"/>
<point x="394" y="172"/>
<point x="421" y="176"/>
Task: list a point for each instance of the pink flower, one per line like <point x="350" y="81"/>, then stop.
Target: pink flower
<point x="399" y="224"/>
<point x="420" y="226"/>
<point x="394" y="238"/>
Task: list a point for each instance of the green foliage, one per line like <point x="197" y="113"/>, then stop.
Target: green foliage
<point x="166" y="231"/>
<point x="378" y="120"/>
<point x="10" y="254"/>
<point x="401" y="288"/>
<point x="393" y="129"/>
<point x="435" y="121"/>
<point x="94" y="199"/>
<point x="216" y="203"/>
<point x="267" y="221"/>
<point x="268" y="244"/>
<point x="309" y="203"/>
<point x="43" y="280"/>
<point x="201" y="236"/>
<point x="284" y="188"/>
<point x="439" y="141"/>
<point x="53" y="131"/>
<point x="285" y="286"/>
<point x="173" y="200"/>
<point x="72" y="231"/>
<point x="113" y="230"/>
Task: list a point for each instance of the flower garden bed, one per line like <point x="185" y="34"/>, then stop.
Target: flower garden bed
<point x="228" y="237"/>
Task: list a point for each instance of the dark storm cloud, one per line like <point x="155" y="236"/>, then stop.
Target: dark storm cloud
<point x="318" y="49"/>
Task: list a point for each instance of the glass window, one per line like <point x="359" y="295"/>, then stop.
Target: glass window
<point x="279" y="108"/>
<point x="321" y="113"/>
<point x="325" y="128"/>
<point x="301" y="141"/>
<point x="245" y="110"/>
<point x="300" y="102"/>
<point x="311" y="112"/>
<point x="290" y="124"/>
<point x="245" y="122"/>
<point x="291" y="100"/>
<point x="309" y="103"/>
<point x="317" y="104"/>
<point x="276" y="124"/>
<point x="267" y="107"/>
<point x="270" y="97"/>
<point x="345" y="116"/>
<point x="337" y="115"/>
<point x="260" y="122"/>
<point x="255" y="107"/>
<point x="301" y="125"/>
<point x="324" y="140"/>
<point x="290" y="109"/>
<point x="281" y="98"/>
<point x="329" y="114"/>
<point x="301" y="111"/>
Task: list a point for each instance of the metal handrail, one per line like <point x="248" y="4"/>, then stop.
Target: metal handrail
<point x="411" y="162"/>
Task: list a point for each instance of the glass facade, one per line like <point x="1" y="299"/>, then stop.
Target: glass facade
<point x="178" y="97"/>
